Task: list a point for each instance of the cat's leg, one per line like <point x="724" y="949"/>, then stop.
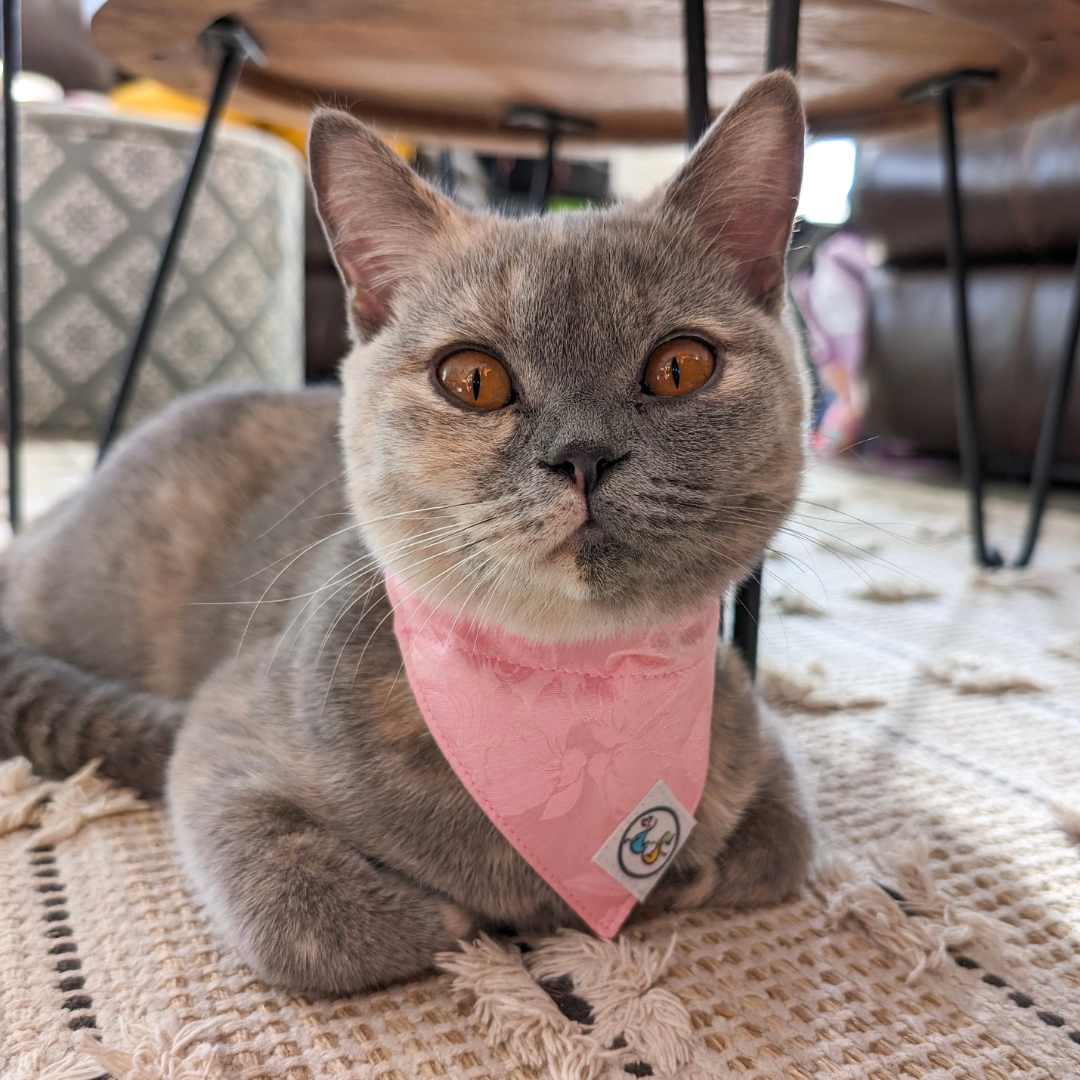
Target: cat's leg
<point x="305" y="909"/>
<point x="766" y="858"/>
<point x="763" y="860"/>
<point x="753" y="840"/>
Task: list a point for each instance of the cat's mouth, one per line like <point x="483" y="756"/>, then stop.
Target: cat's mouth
<point x="584" y="533"/>
<point x="588" y="528"/>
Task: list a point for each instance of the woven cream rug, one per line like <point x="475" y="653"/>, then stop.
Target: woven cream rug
<point x="939" y="713"/>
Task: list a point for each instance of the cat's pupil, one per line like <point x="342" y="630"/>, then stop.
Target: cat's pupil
<point x="675" y="371"/>
<point x="476" y="385"/>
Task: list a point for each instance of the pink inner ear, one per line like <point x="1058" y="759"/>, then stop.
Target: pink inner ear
<point x="370" y="289"/>
<point x="756" y="237"/>
<point x="752" y="213"/>
<point x="764" y="278"/>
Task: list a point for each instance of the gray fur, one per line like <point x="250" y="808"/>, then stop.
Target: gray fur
<point x="225" y="565"/>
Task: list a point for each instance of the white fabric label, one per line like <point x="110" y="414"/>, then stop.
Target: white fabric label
<point x="648" y="838"/>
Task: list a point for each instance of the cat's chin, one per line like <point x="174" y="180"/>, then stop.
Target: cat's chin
<point x="558" y="604"/>
<point x="563" y="618"/>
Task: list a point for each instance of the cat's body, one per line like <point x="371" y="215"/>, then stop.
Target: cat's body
<point x="222" y="575"/>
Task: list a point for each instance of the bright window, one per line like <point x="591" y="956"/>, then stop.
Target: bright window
<point x="828" y="172"/>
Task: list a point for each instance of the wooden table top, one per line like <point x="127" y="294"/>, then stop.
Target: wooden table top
<point x="449" y="69"/>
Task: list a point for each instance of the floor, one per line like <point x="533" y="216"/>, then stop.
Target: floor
<point x="936" y="713"/>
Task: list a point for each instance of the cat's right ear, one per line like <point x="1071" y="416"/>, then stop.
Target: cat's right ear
<point x="383" y="223"/>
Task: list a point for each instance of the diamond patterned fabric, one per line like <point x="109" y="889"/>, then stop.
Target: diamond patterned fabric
<point x="98" y="196"/>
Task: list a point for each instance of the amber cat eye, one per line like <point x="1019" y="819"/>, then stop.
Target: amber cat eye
<point x="476" y="380"/>
<point x="678" y="367"/>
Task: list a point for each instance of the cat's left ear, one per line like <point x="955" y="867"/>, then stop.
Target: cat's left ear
<point x="739" y="189"/>
<point x="383" y="223"/>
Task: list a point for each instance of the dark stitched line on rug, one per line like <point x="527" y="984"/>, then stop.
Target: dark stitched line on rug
<point x="954" y="759"/>
<point x="1021" y="1000"/>
<point x="1017" y="997"/>
<point x="68" y="964"/>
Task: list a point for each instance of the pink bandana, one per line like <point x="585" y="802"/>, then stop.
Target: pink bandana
<point x="589" y="758"/>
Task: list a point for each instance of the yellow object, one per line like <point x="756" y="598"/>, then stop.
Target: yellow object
<point x="147" y="97"/>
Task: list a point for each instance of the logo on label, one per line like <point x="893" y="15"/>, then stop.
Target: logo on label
<point x="649" y="841"/>
<point x="642" y="845"/>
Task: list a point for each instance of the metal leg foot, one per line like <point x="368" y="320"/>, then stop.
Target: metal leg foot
<point x="12" y="44"/>
<point x="1053" y="417"/>
<point x="236" y="48"/>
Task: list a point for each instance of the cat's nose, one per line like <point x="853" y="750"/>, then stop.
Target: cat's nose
<point x="584" y="468"/>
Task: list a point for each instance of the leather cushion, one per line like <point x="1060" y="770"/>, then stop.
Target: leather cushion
<point x="1020" y="187"/>
<point x="1017" y="323"/>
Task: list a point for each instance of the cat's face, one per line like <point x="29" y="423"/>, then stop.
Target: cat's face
<point x="598" y="491"/>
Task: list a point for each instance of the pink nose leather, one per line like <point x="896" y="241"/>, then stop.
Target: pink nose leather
<point x="558" y="743"/>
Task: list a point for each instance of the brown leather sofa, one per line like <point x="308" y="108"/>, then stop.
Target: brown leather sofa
<point x="1021" y="198"/>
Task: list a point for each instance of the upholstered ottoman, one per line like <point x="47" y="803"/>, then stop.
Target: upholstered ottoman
<point x="98" y="194"/>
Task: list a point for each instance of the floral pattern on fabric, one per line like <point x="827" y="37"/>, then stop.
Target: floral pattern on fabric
<point x="557" y="743"/>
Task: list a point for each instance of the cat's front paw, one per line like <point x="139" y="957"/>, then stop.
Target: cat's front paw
<point x="767" y="857"/>
<point x="459" y="926"/>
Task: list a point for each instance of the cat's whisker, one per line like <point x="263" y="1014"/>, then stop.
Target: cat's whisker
<point x="306" y="498"/>
<point x="299" y="552"/>
<point x="371" y="636"/>
<point x="506" y="597"/>
<point x="370" y="565"/>
<point x="277" y="577"/>
<point x="421" y="562"/>
<point x="480" y="579"/>
<point x="357" y="524"/>
<point x="867" y="554"/>
<point x="363" y="614"/>
<point x="490" y="572"/>
<point x="373" y="564"/>
<point x="799" y="592"/>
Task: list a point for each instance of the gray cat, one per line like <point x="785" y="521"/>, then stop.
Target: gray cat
<point x="208" y="615"/>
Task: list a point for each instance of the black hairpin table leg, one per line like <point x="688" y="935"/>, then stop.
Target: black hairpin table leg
<point x="12" y="44"/>
<point x="943" y="90"/>
<point x="782" y="52"/>
<point x="967" y="418"/>
<point x="236" y="48"/>
<point x="544" y="172"/>
<point x="697" y="71"/>
<point x="1053" y="417"/>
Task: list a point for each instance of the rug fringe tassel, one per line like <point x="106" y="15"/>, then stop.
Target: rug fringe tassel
<point x="920" y="929"/>
<point x="618" y="978"/>
<point x="21" y="794"/>
<point x="1069" y="820"/>
<point x="512" y="1009"/>
<point x="59" y="807"/>
<point x="31" y="1065"/>
<point x="168" y="1051"/>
